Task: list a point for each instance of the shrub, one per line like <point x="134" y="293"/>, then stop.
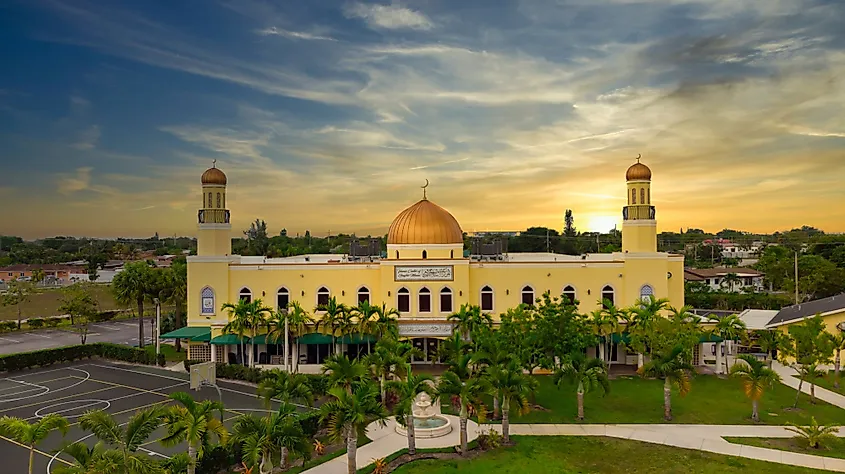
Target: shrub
<point x="219" y="459"/>
<point x="490" y="439"/>
<point x="319" y="384"/>
<point x="311" y="422"/>
<point x="53" y="322"/>
<point x="8" y="326"/>
<point x="105" y="316"/>
<point x="35" y="323"/>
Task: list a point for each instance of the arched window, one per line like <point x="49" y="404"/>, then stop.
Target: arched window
<point x="363" y="294"/>
<point x="569" y="294"/>
<point x="487" y="299"/>
<point x="209" y="200"/>
<point x="451" y="254"/>
<point x="633" y="196"/>
<point x="207" y="299"/>
<point x="646" y="293"/>
<point x="397" y="255"/>
<point x="607" y="296"/>
<point x="424" y="298"/>
<point x="323" y="295"/>
<point x="445" y="300"/>
<point x="203" y="200"/>
<point x="218" y="200"/>
<point x="642" y="195"/>
<point x="282" y="298"/>
<point x="527" y="295"/>
<point x="648" y="195"/>
<point x="403" y="300"/>
<point x="425" y="254"/>
<point x="224" y="200"/>
<point x="245" y="295"/>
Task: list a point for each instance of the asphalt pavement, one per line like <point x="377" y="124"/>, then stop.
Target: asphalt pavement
<point x="118" y="332"/>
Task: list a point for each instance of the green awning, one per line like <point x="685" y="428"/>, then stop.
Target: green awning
<point x="315" y="338"/>
<point x="262" y="339"/>
<point x="710" y="338"/>
<point x="623" y="338"/>
<point x="357" y="339"/>
<point x="188" y="332"/>
<point x="227" y="339"/>
<point x="205" y="337"/>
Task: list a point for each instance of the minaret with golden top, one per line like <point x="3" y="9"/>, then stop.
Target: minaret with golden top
<point x="639" y="227"/>
<point x="214" y="237"/>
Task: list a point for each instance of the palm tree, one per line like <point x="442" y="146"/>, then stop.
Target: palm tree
<point x="245" y="316"/>
<point x="383" y="361"/>
<point x="603" y="326"/>
<point x="285" y="387"/>
<point x="407" y="391"/>
<point x="453" y="348"/>
<point x="346" y="413"/>
<point x="674" y="370"/>
<point x="807" y="372"/>
<point x="469" y="392"/>
<point x="838" y="342"/>
<point x="494" y="353"/>
<point x="260" y="438"/>
<point x="332" y="319"/>
<point x="126" y="439"/>
<point x="133" y="285"/>
<point x="84" y="458"/>
<point x="195" y="423"/>
<point x="755" y="378"/>
<point x="367" y="323"/>
<point x="586" y="374"/>
<point x="815" y="434"/>
<point x="642" y="319"/>
<point x="729" y="328"/>
<point x="513" y="387"/>
<point x="31" y="434"/>
<point x="387" y="324"/>
<point x="768" y="341"/>
<point x="344" y="373"/>
<point x="298" y="324"/>
<point x="175" y="292"/>
<point x="730" y="281"/>
<point x="614" y="316"/>
<point x="468" y="319"/>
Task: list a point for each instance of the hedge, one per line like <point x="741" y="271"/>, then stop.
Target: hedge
<point x="318" y="383"/>
<point x="105" y="350"/>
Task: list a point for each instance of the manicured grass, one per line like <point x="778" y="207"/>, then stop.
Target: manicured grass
<point x="45" y="303"/>
<point x="170" y="354"/>
<point x="833" y="449"/>
<point x="596" y="455"/>
<point x="827" y="382"/>
<point x="712" y="400"/>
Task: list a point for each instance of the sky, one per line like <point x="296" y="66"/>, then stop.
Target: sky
<point x="328" y="115"/>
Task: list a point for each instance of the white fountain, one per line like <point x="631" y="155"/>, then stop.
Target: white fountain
<point x="428" y="421"/>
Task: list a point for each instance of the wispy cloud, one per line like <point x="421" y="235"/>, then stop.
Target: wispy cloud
<point x="78" y="181"/>
<point x="389" y="16"/>
<point x="273" y="31"/>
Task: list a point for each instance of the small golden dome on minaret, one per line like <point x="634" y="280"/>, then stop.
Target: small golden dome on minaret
<point x="638" y="172"/>
<point x="213" y="175"/>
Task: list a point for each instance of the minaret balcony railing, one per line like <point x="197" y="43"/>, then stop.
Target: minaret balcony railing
<point x="213" y="216"/>
<point x="639" y="212"/>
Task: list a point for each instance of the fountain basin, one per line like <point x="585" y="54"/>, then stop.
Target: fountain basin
<point x="428" y="427"/>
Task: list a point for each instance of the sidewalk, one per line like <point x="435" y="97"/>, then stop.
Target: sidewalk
<point x="788" y="379"/>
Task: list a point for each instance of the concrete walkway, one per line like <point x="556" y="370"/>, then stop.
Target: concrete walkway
<point x="788" y="378"/>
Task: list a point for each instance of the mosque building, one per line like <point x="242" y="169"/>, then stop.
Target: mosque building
<point x="425" y="275"/>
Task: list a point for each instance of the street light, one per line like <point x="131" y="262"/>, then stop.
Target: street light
<point x="157" y="323"/>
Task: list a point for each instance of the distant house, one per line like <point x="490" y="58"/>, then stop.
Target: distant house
<point x="58" y="274"/>
<point x="726" y="279"/>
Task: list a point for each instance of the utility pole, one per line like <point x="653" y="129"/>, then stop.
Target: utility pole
<point x="796" y="277"/>
<point x="547" y="240"/>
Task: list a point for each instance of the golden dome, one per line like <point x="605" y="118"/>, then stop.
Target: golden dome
<point x="637" y="172"/>
<point x="213" y="175"/>
<point x="425" y="223"/>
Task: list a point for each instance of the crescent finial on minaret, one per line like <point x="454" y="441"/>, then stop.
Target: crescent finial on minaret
<point x="639" y="155"/>
<point x="423" y="188"/>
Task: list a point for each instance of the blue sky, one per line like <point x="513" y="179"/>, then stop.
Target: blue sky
<point x="329" y="115"/>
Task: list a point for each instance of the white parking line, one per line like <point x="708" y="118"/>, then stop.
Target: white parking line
<point x="128" y="324"/>
<point x="13" y="341"/>
<point x="107" y="328"/>
<point x="40" y="335"/>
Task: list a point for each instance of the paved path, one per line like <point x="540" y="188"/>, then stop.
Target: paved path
<point x="118" y="332"/>
<point x="788" y="378"/>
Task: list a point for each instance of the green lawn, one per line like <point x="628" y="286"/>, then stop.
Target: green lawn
<point x="833" y="449"/>
<point x="45" y="303"/>
<point x="712" y="401"/>
<point x="170" y="354"/>
<point x="596" y="455"/>
<point x="827" y="382"/>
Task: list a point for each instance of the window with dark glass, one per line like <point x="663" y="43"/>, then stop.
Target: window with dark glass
<point x="607" y="296"/>
<point x="445" y="300"/>
<point x="282" y="298"/>
<point x="528" y="295"/>
<point x="487" y="299"/>
<point x="569" y="294"/>
<point x="424" y="300"/>
<point x="424" y="255"/>
<point x="642" y="195"/>
<point x="363" y="294"/>
<point x="218" y="200"/>
<point x="245" y="295"/>
<point x="323" y="296"/>
<point x="403" y="300"/>
<point x="633" y="196"/>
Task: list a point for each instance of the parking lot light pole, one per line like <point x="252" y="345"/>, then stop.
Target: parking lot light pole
<point x="158" y="326"/>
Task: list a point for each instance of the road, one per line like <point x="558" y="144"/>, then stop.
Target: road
<point x="118" y="332"/>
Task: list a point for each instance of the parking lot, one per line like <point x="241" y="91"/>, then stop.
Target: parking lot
<point x="118" y="332"/>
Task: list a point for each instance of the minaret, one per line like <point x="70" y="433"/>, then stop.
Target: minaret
<point x="214" y="237"/>
<point x="639" y="228"/>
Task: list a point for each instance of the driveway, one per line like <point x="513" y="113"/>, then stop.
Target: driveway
<point x="118" y="332"/>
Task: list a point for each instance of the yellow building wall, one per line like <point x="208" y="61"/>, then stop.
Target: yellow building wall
<point x="831" y="322"/>
<point x="200" y="275"/>
<point x="214" y="241"/>
<point x="639" y="236"/>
